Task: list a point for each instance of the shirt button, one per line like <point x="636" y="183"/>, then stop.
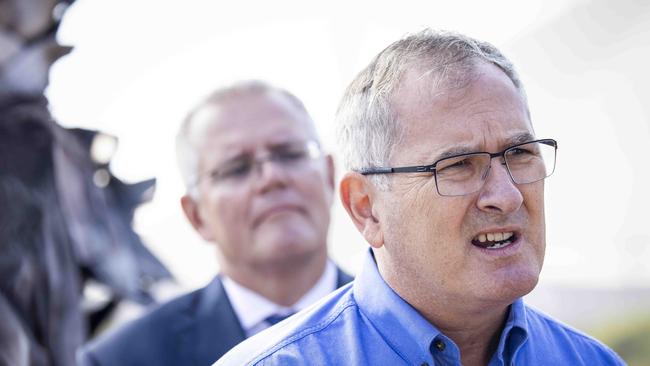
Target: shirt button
<point x="440" y="345"/>
<point x="424" y="364"/>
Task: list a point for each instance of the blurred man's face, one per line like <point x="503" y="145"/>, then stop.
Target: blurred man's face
<point x="275" y="211"/>
<point x="431" y="241"/>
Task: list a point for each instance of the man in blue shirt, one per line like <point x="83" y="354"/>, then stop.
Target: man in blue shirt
<point x="446" y="184"/>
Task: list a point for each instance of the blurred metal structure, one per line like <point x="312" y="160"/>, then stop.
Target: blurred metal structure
<point x="65" y="218"/>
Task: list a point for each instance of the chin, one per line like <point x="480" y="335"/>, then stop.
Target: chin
<point x="287" y="260"/>
<point x="510" y="285"/>
<point x="286" y="248"/>
<point x="520" y="286"/>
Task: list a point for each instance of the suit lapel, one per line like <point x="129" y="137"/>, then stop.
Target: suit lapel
<point x="211" y="326"/>
<point x="214" y="328"/>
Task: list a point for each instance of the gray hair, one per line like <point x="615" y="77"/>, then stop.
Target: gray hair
<point x="367" y="127"/>
<point x="186" y="151"/>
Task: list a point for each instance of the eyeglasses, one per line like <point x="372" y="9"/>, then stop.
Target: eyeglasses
<point x="288" y="156"/>
<point x="463" y="174"/>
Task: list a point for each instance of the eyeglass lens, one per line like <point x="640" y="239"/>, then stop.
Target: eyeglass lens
<point x="465" y="174"/>
<point x="286" y="156"/>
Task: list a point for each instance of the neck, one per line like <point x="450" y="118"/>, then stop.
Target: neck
<point x="474" y="325"/>
<point x="474" y="328"/>
<point x="282" y="283"/>
<point x="476" y="335"/>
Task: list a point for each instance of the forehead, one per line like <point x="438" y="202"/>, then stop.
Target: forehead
<point x="484" y="111"/>
<point x="248" y="123"/>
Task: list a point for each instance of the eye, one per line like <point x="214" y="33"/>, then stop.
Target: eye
<point x="235" y="169"/>
<point x="453" y="164"/>
<point x="519" y="151"/>
<point x="523" y="154"/>
<point x="459" y="164"/>
<point x="289" y="154"/>
<point x="462" y="168"/>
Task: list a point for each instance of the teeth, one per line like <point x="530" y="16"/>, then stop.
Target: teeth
<point x="500" y="245"/>
<point x="495" y="237"/>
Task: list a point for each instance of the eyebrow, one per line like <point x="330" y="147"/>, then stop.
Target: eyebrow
<point x="247" y="154"/>
<point x="520" y="139"/>
<point x="460" y="150"/>
<point x="457" y="150"/>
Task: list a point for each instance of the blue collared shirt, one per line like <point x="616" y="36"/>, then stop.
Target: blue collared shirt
<point x="367" y="323"/>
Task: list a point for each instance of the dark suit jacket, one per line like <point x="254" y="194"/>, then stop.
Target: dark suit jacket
<point x="194" y="329"/>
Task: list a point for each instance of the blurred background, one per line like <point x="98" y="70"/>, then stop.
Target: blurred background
<point x="138" y="66"/>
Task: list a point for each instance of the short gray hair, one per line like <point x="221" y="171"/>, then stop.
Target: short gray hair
<point x="186" y="153"/>
<point x="367" y="127"/>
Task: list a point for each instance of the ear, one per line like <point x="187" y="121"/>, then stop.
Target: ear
<point x="357" y="196"/>
<point x="193" y="214"/>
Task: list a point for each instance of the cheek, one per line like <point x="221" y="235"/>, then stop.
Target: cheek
<point x="534" y="203"/>
<point x="226" y="211"/>
<point x="442" y="218"/>
<point x="317" y="194"/>
<point x="419" y="213"/>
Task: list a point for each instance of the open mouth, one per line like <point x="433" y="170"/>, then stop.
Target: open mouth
<point x="495" y="240"/>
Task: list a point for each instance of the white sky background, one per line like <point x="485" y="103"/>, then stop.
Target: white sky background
<point x="139" y="66"/>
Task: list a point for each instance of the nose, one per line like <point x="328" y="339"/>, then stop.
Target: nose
<point x="269" y="175"/>
<point x="499" y="193"/>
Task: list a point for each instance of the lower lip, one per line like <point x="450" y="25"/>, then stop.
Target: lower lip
<point x="502" y="252"/>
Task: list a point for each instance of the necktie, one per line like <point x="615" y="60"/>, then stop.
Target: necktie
<point x="276" y="318"/>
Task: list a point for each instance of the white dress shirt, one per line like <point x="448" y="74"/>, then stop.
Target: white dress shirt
<point x="252" y="308"/>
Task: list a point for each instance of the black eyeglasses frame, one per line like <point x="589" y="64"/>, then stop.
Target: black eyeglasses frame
<point x="431" y="168"/>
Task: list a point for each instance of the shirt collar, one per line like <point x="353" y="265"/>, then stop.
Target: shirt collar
<point x="252" y="308"/>
<point x="409" y="333"/>
<point x="515" y="332"/>
<point x="406" y="331"/>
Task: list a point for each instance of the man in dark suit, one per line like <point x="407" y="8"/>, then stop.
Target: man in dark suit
<point x="260" y="188"/>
